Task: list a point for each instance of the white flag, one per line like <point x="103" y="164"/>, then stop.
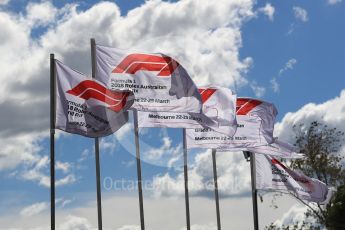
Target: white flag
<point x="273" y="175"/>
<point x="158" y="82"/>
<point x="218" y="113"/>
<point x="86" y="107"/>
<point x="277" y="148"/>
<point x="255" y="123"/>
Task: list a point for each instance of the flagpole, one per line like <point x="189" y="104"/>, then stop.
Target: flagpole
<point x="254" y="191"/>
<point x="216" y="196"/>
<point x="185" y="166"/>
<point x="140" y="191"/>
<point x="97" y="161"/>
<point x="52" y="142"/>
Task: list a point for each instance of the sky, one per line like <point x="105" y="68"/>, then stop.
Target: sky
<point x="290" y="53"/>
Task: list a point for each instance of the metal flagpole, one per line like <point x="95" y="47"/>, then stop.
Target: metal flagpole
<point x="251" y="155"/>
<point x="141" y="203"/>
<point x="52" y="142"/>
<point x="186" y="194"/>
<point x="98" y="171"/>
<point x="216" y="196"/>
<point x="254" y="191"/>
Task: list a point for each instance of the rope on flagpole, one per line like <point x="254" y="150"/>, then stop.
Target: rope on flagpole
<point x="140" y="190"/>
<point x="52" y="141"/>
<point x="185" y="166"/>
<point x="97" y="161"/>
<point x="216" y="196"/>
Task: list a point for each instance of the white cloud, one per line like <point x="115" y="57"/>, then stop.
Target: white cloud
<point x="128" y="164"/>
<point x="4" y="2"/>
<point x="167" y="154"/>
<point x="84" y="155"/>
<point x="34" y="209"/>
<point x="129" y="227"/>
<point x="234" y="214"/>
<point x="331" y="113"/>
<point x="334" y="2"/>
<point x="300" y="13"/>
<point x="75" y="222"/>
<point x="40" y="14"/>
<point x="65" y="167"/>
<point x="268" y="10"/>
<point x="38" y="172"/>
<point x="69" y="179"/>
<point x="107" y="144"/>
<point x="275" y="85"/>
<point x="233" y="177"/>
<point x="294" y="215"/>
<point x="214" y="40"/>
<point x="289" y="65"/>
<point x="21" y="148"/>
<point x="156" y="153"/>
<point x="124" y="131"/>
<point x="258" y="90"/>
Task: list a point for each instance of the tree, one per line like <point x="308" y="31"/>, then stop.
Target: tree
<point x="335" y="216"/>
<point x="321" y="145"/>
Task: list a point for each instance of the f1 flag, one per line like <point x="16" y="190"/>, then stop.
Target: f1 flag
<point x="86" y="107"/>
<point x="218" y="113"/>
<point x="271" y="174"/>
<point x="159" y="82"/>
<point x="278" y="149"/>
<point x="255" y="123"/>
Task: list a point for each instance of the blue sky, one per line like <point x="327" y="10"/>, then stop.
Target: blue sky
<point x="296" y="46"/>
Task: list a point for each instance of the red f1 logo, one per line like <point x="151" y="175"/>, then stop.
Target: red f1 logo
<point x="90" y="89"/>
<point x="164" y="65"/>
<point x="245" y="105"/>
<point x="206" y="94"/>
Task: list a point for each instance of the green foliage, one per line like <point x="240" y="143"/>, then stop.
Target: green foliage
<point x="296" y="226"/>
<point x="336" y="212"/>
<point x="321" y="145"/>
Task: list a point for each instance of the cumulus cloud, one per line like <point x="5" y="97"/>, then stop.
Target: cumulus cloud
<point x="170" y="152"/>
<point x="40" y="14"/>
<point x="268" y="10"/>
<point x="65" y="167"/>
<point x="34" y="209"/>
<point x="37" y="171"/>
<point x="331" y="113"/>
<point x="293" y="215"/>
<point x="233" y="177"/>
<point x="129" y="227"/>
<point x="126" y="216"/>
<point x="211" y="32"/>
<point x="75" y="222"/>
<point x="300" y="13"/>
<point x="259" y="91"/>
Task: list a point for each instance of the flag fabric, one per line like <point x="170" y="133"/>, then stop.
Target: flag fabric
<point x="271" y="174"/>
<point x="277" y="149"/>
<point x="159" y="82"/>
<point x="218" y="113"/>
<point x="255" y="123"/>
<point x="86" y="107"/>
